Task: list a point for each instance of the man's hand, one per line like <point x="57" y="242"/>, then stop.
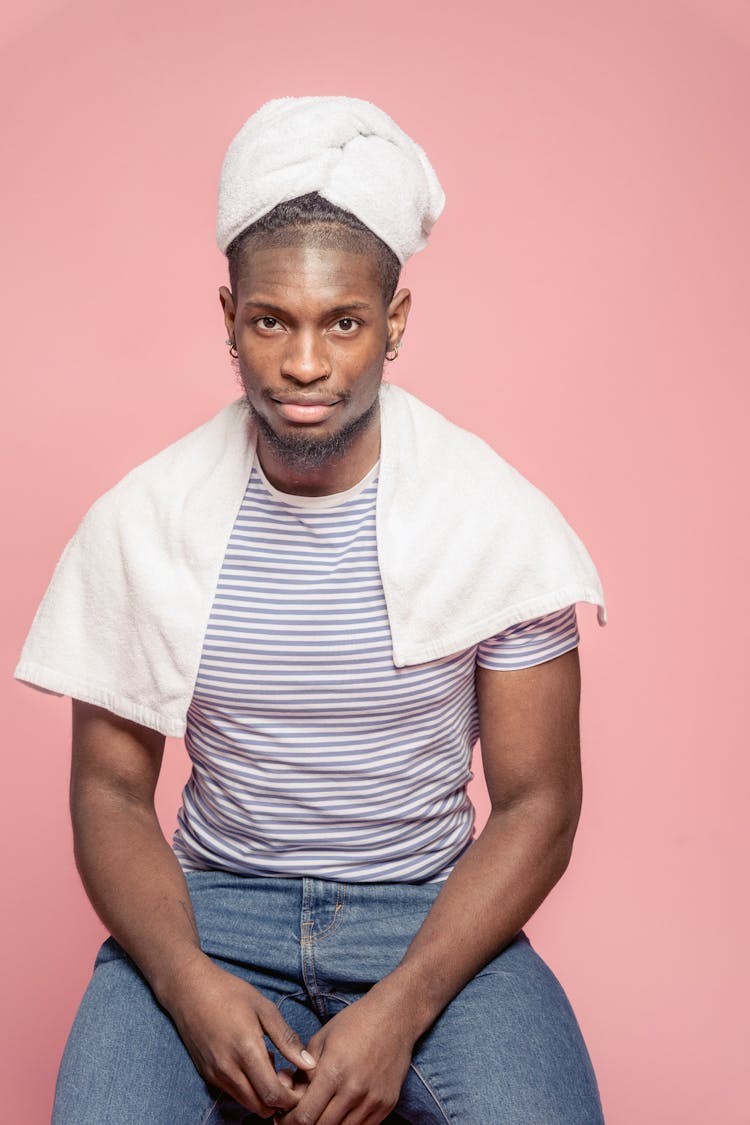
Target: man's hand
<point x="363" y="1055"/>
<point x="221" y="1020"/>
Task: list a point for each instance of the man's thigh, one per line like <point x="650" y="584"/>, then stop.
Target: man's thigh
<point x="125" y="1064"/>
<point x="507" y="1051"/>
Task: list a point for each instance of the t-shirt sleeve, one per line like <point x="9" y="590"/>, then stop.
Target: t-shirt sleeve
<point x="530" y="642"/>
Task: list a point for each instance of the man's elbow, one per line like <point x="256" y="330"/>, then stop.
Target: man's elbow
<point x="551" y="815"/>
<point x="564" y="817"/>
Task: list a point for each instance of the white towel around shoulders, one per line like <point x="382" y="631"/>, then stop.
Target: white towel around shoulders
<point x="467" y="546"/>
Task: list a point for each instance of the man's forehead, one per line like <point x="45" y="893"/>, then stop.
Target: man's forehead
<point x="326" y="271"/>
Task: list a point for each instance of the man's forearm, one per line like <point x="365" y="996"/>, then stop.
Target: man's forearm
<point x="136" y="885"/>
<point x="491" y="893"/>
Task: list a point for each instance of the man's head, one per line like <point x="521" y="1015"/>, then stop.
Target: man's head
<point x="312" y="311"/>
<point x="323" y="222"/>
<point x="321" y="200"/>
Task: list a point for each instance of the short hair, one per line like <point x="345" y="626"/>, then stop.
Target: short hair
<point x="314" y="210"/>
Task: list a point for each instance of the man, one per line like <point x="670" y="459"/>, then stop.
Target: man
<point x="331" y="591"/>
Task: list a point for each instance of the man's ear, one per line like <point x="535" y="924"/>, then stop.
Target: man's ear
<point x="397" y="315"/>
<point x="227" y="304"/>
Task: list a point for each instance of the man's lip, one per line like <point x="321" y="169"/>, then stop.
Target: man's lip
<point x="305" y="411"/>
<point x="304" y="400"/>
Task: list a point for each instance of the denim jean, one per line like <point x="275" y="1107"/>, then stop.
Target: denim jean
<point x="507" y="1050"/>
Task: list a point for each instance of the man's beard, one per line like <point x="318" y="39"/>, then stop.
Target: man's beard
<point x="299" y="452"/>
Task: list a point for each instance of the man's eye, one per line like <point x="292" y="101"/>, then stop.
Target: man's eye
<point x="347" y="323"/>
<point x="269" y="321"/>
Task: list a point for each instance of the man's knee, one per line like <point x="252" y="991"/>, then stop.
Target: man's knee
<point x="124" y="1061"/>
<point x="508" y="1049"/>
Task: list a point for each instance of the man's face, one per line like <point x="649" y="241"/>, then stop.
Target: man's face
<point x="311" y="329"/>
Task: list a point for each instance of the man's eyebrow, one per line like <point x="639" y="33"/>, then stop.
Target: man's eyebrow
<point x="258" y="302"/>
<point x="361" y="305"/>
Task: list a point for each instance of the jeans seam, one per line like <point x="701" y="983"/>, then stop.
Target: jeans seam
<point x="307" y="950"/>
<point x="336" y="996"/>
<point x="207" y="1115"/>
<point x="431" y="1091"/>
<point x="338" y="914"/>
<point x="301" y="995"/>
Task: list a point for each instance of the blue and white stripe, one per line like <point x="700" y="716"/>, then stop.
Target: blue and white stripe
<point x="312" y="754"/>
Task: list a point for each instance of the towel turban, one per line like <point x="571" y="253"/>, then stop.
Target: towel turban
<point x="347" y="150"/>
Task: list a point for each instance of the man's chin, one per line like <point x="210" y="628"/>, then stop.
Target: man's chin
<point x="310" y="447"/>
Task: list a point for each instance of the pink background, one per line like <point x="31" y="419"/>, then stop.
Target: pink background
<point x="583" y="305"/>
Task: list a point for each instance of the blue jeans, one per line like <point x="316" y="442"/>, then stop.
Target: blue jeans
<point x="506" y="1051"/>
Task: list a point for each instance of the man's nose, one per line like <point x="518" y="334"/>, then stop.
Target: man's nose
<point x="306" y="358"/>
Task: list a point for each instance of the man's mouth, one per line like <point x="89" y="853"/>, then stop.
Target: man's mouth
<point x="305" y="409"/>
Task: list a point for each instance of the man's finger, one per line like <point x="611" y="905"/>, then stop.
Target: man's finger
<point x="258" y="1084"/>
<point x="285" y="1038"/>
<point x="320" y="1098"/>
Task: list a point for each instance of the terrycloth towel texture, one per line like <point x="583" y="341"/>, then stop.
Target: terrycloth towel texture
<point x="466" y="545"/>
<point x="347" y="150"/>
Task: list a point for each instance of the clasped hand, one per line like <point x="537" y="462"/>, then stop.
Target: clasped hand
<point x="351" y="1072"/>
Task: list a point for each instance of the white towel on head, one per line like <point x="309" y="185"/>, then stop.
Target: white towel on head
<point x="346" y="149"/>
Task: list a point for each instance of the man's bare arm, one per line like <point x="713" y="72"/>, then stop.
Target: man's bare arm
<point x="137" y="887"/>
<point x="529" y="732"/>
<point x="130" y="873"/>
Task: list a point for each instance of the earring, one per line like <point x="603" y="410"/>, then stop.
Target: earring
<point x="232" y="349"/>
<point x="395" y="348"/>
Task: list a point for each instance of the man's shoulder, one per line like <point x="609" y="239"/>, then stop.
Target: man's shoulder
<point x="180" y="466"/>
<point x="212" y="439"/>
<point x="441" y="448"/>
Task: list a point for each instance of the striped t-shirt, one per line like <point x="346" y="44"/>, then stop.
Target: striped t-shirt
<point x="312" y="753"/>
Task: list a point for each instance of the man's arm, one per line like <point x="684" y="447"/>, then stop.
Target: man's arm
<point x="529" y="734"/>
<point x="137" y="887"/>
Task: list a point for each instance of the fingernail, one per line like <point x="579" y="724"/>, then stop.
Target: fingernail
<point x="307" y="1058"/>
